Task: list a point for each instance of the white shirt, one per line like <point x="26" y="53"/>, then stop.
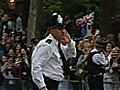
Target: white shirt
<point x="99" y="58"/>
<point x="46" y="60"/>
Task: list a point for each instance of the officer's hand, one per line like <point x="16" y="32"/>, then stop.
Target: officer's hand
<point x="44" y="88"/>
<point x="66" y="38"/>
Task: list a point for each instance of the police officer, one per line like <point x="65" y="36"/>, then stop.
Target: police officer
<point x="96" y="67"/>
<point x="47" y="65"/>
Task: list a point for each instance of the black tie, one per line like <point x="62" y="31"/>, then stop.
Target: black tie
<point x="66" y="68"/>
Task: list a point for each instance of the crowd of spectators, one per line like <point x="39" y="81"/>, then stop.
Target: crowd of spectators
<point x="15" y="54"/>
<point x="112" y="53"/>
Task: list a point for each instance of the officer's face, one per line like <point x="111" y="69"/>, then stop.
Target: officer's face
<point x="59" y="33"/>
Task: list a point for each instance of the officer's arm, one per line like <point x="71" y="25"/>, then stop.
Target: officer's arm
<point x="100" y="59"/>
<point x="40" y="55"/>
<point x="69" y="50"/>
<point x="72" y="49"/>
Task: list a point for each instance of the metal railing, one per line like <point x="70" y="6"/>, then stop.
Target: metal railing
<point x="83" y="85"/>
<point x="18" y="84"/>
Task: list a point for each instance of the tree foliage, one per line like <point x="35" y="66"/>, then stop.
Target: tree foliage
<point x="75" y="8"/>
<point x="1" y="11"/>
<point x="72" y="7"/>
<point x="51" y="5"/>
<point x="1" y="8"/>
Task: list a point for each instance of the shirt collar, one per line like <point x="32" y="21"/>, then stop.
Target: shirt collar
<point x="50" y="36"/>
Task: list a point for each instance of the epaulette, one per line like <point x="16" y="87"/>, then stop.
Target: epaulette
<point x="48" y="41"/>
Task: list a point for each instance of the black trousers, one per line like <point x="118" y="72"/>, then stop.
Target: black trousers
<point x="50" y="84"/>
<point x="95" y="83"/>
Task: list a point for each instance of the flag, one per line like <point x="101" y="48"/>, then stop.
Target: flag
<point x="86" y="19"/>
<point x="89" y="23"/>
<point x="89" y="18"/>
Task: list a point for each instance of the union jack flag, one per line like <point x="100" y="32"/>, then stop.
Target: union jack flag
<point x="86" y="19"/>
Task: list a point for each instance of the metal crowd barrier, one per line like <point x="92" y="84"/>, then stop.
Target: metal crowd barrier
<point x="18" y="84"/>
<point x="73" y="85"/>
<point x="83" y="85"/>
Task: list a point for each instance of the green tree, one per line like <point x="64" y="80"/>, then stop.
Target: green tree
<point x="1" y="13"/>
<point x="110" y="16"/>
<point x="72" y="7"/>
<point x="38" y="14"/>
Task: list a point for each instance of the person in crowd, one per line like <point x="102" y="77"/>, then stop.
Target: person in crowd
<point x="80" y="45"/>
<point x="98" y="38"/>
<point x="29" y="49"/>
<point x="33" y="43"/>
<point x="112" y="71"/>
<point x="19" y="23"/>
<point x="73" y="61"/>
<point x="107" y="75"/>
<point x="79" y="48"/>
<point x="24" y="37"/>
<point x="4" y="58"/>
<point x="5" y="19"/>
<point x="18" y="59"/>
<point x="86" y="50"/>
<point x="47" y="64"/>
<point x="77" y="30"/>
<point x="7" y="24"/>
<point x="1" y="76"/>
<point x="108" y="49"/>
<point x="82" y="60"/>
<point x="17" y="48"/>
<point x="7" y="41"/>
<point x="115" y="64"/>
<point x="118" y="39"/>
<point x="95" y="67"/>
<point x="88" y="39"/>
<point x="11" y="52"/>
<point x="112" y="38"/>
<point x="2" y="48"/>
<point x="9" y="66"/>
<point x="25" y="63"/>
<point x="5" y="37"/>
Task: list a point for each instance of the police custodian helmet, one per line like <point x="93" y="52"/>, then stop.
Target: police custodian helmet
<point x="100" y="44"/>
<point x="56" y="20"/>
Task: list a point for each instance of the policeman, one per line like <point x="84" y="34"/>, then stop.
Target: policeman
<point x="96" y="67"/>
<point x="47" y="65"/>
